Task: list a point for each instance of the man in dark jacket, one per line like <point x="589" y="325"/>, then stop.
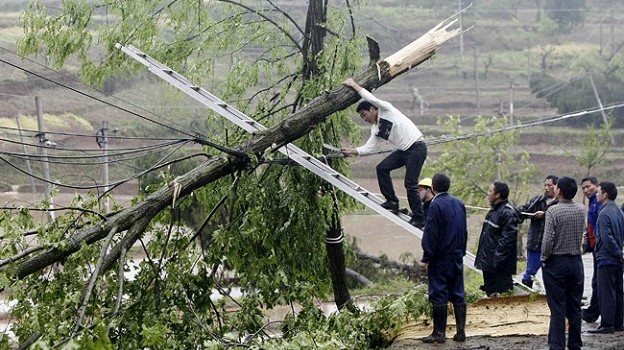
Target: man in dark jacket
<point x="535" y="210"/>
<point x="609" y="239"/>
<point x="497" y="252"/>
<point x="444" y="246"/>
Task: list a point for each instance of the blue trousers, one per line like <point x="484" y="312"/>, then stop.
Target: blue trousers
<point x="563" y="280"/>
<point x="446" y="280"/>
<point x="610" y="295"/>
<point x="534" y="263"/>
<point x="413" y="159"/>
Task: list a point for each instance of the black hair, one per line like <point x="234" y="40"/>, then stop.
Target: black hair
<point x="591" y="179"/>
<point x="567" y="186"/>
<point x="440" y="183"/>
<point x="609" y="188"/>
<point x="364" y="105"/>
<point x="553" y="178"/>
<point x="502" y="189"/>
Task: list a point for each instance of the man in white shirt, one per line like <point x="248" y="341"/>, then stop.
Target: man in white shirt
<point x="390" y="124"/>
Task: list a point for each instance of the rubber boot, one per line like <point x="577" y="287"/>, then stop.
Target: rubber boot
<point x="439" y="325"/>
<point x="460" y="322"/>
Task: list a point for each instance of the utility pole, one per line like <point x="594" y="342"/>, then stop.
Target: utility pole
<point x="44" y="152"/>
<point x="476" y="73"/>
<point x="511" y="106"/>
<point x="102" y="140"/>
<point x="461" y="36"/>
<point x="28" y="167"/>
<point x="605" y="120"/>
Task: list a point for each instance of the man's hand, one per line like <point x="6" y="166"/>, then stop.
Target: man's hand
<point x="423" y="268"/>
<point x="348" y="152"/>
<point x="539" y="214"/>
<point x="352" y="84"/>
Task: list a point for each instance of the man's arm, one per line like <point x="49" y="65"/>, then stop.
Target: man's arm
<point x="549" y="235"/>
<point x="509" y="235"/>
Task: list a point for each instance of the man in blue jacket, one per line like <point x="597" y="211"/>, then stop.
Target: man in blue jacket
<point x="609" y="238"/>
<point x="444" y="246"/>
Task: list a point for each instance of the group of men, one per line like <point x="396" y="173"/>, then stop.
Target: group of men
<point x="557" y="235"/>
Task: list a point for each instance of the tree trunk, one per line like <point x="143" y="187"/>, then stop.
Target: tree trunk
<point x="297" y="125"/>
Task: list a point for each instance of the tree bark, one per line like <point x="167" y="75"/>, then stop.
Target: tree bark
<point x="292" y="128"/>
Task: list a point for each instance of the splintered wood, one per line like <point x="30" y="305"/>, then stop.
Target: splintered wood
<point x="495" y="317"/>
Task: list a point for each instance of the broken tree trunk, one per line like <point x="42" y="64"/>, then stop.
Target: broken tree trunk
<point x="379" y="73"/>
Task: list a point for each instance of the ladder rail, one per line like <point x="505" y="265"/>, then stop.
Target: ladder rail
<point x="295" y="153"/>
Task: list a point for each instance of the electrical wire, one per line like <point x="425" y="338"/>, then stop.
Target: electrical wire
<point x="111" y="185"/>
<point x="525" y="125"/>
<point x="199" y="138"/>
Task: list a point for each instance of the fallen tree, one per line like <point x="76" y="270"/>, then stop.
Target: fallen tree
<point x="134" y="219"/>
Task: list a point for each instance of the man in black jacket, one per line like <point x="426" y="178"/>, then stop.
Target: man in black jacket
<point x="497" y="252"/>
<point x="535" y="210"/>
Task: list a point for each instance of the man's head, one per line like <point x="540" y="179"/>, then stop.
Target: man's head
<point x="549" y="186"/>
<point x="367" y="111"/>
<point x="440" y="183"/>
<point x="606" y="191"/>
<point x="566" y="188"/>
<point x="589" y="185"/>
<point x="425" y="189"/>
<point x="499" y="191"/>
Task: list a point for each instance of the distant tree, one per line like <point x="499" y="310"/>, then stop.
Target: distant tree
<point x="475" y="163"/>
<point x="576" y="92"/>
<point x="594" y="146"/>
<point x="567" y="13"/>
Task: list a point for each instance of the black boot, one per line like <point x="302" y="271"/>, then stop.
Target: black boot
<point x="460" y="322"/>
<point x="439" y="325"/>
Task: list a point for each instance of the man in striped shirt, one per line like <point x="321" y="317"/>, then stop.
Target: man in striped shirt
<point x="563" y="266"/>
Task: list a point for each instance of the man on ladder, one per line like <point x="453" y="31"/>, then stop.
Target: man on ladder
<point x="390" y="124"/>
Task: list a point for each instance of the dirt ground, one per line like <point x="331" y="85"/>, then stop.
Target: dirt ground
<point x="517" y="322"/>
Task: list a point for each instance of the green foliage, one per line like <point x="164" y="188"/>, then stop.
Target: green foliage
<point x="594" y="146"/>
<point x="267" y="224"/>
<point x="474" y="163"/>
<point x="567" y="13"/>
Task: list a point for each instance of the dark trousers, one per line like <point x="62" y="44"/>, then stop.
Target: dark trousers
<point x="593" y="310"/>
<point x="610" y="294"/>
<point x="563" y="280"/>
<point x="495" y="282"/>
<point x="446" y="280"/>
<point x="413" y="159"/>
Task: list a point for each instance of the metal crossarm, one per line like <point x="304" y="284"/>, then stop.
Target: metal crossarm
<point x="293" y="152"/>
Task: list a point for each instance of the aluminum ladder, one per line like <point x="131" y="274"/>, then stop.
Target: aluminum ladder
<point x="293" y="152"/>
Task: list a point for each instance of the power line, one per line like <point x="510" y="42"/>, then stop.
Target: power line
<point x="199" y="138"/>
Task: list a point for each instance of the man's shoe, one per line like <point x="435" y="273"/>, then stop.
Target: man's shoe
<point x="390" y="205"/>
<point x="417" y="223"/>
<point x="618" y="329"/>
<point x="588" y="318"/>
<point x="528" y="283"/>
<point x="601" y="330"/>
